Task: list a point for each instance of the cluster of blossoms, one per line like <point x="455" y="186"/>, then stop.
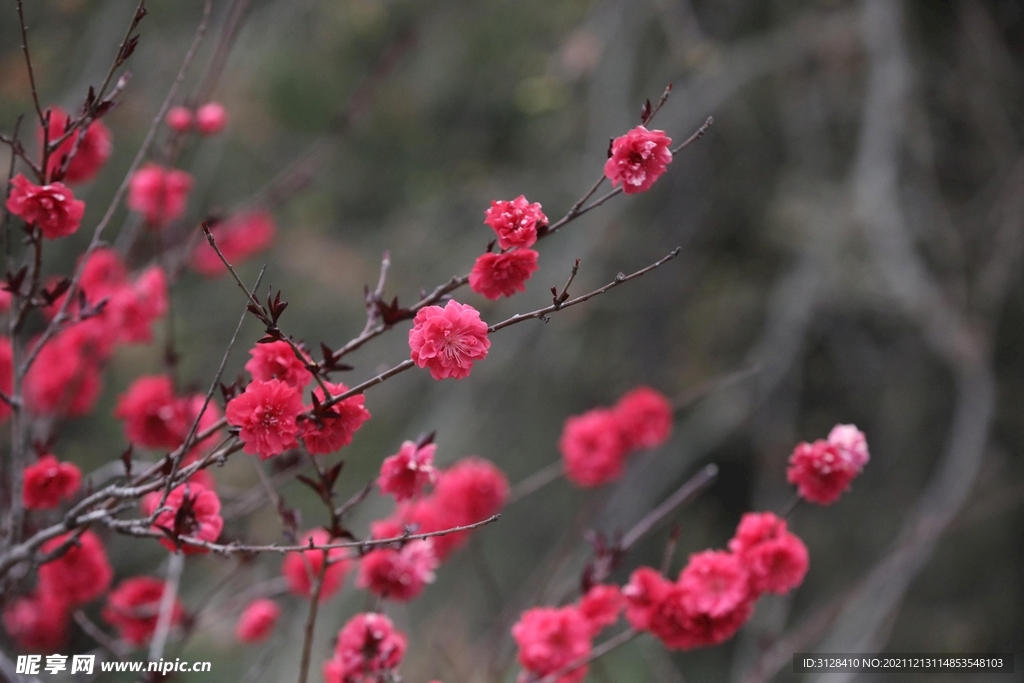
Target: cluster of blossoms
<point x="208" y="119"/>
<point x="268" y="412"/>
<point x="595" y="445"/>
<point x="516" y="224"/>
<point x="824" y="469"/>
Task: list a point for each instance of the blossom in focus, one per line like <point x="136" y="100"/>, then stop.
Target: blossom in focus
<point x="211" y="118"/>
<point x="192" y="511"/>
<point x="301" y="568"/>
<point x="134" y="607"/>
<point x="159" y="194"/>
<point x="593" y="449"/>
<point x="81" y="574"/>
<point x="257" y="621"/>
<point x="368" y="648"/>
<point x="497" y="275"/>
<point x="776" y="559"/>
<point x="404" y="474"/>
<point x="266" y="414"/>
<point x="93" y="148"/>
<point x="448" y="340"/>
<point x="398" y="573"/>
<point x="550" y="638"/>
<point x="515" y="222"/>
<point x="47" y="481"/>
<point x="637" y="159"/>
<point x="52" y="208"/>
<point x="645" y="418"/>
<point x="820" y="471"/>
<point x="239" y="238"/>
<point x="340" y="422"/>
<point x="277" y="360"/>
<point x="37" y="622"/>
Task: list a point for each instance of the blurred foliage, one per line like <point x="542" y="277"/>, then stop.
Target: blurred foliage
<point x="499" y="98"/>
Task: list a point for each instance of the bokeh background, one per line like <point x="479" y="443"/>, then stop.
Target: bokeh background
<point x="852" y="231"/>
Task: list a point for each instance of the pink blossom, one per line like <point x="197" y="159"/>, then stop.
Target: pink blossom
<point x="93" y="149"/>
<point x="404" y="474"/>
<point x="153" y="416"/>
<point x="301" y="568"/>
<point x="601" y="606"/>
<point x="52" y="208"/>
<point x="266" y="412"/>
<point x="277" y="360"/>
<point x="257" y="621"/>
<point x="715" y="581"/>
<point x="81" y="574"/>
<point x="48" y="481"/>
<point x="497" y="275"/>
<point x="133" y="608"/>
<point x="337" y="431"/>
<point x="776" y="559"/>
<point x="820" y="471"/>
<point x="238" y="238"/>
<point x="550" y="639"/>
<point x="646" y="589"/>
<point x="179" y="119"/>
<point x="193" y="511"/>
<point x="515" y="222"/>
<point x="851" y="444"/>
<point x="37" y="623"/>
<point x="448" y="340"/>
<point x="65" y="377"/>
<point x="472" y="490"/>
<point x="211" y="118"/>
<point x="160" y="194"/>
<point x="592" y="447"/>
<point x="398" y="574"/>
<point x="369" y="646"/>
<point x="637" y="159"/>
<point x="645" y="418"/>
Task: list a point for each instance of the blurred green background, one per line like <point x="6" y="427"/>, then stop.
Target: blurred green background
<point x="852" y="237"/>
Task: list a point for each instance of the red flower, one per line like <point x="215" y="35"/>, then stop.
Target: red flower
<point x="81" y="574"/>
<point x="645" y="418"/>
<point x="193" y="511"/>
<point x="301" y="568"/>
<point x="497" y="275"/>
<point x="153" y="416"/>
<point x="448" y="340"/>
<point x="179" y="119"/>
<point x="471" y="490"/>
<point x="368" y="648"/>
<point x="646" y="590"/>
<point x="266" y="413"/>
<point x="549" y="639"/>
<point x="601" y="607"/>
<point x="211" y="118"/>
<point x="398" y="574"/>
<point x="637" y="159"/>
<point x="65" y="377"/>
<point x="134" y="607"/>
<point x="93" y="149"/>
<point x="52" y="208"/>
<point x="820" y="471"/>
<point x="337" y="431"/>
<point x="515" y="222"/>
<point x="6" y="375"/>
<point x="49" y="480"/>
<point x="257" y="621"/>
<point x="37" y="623"/>
<point x="160" y="194"/>
<point x="404" y="474"/>
<point x="277" y="360"/>
<point x="592" y="446"/>
<point x="132" y="309"/>
<point x="776" y="559"/>
<point x="238" y="238"/>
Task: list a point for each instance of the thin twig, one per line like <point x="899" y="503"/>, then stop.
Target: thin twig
<point x="314" y="605"/>
<point x="684" y="493"/>
<point x="175" y="565"/>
